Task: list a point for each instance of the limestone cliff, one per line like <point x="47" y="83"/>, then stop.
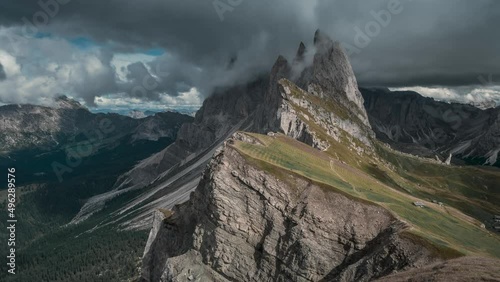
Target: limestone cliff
<point x="320" y="90"/>
<point x="246" y="224"/>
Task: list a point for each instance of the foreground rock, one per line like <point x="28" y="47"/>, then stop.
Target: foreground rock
<point x="244" y="224"/>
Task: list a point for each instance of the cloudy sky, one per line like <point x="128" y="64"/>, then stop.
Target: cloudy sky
<point x="156" y="53"/>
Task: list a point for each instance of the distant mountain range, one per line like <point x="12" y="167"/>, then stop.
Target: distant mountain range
<point x="138" y="113"/>
<point x="27" y="126"/>
<point x="425" y="127"/>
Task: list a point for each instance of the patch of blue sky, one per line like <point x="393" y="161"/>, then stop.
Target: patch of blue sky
<point x="156" y="52"/>
<point x="82" y="42"/>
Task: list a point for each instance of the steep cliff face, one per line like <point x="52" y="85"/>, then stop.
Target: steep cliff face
<point x="316" y="88"/>
<point x="255" y="219"/>
<point x="332" y="73"/>
<point x="426" y="127"/>
<point x="246" y="224"/>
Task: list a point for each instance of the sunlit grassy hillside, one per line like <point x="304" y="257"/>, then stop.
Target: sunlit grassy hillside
<point x="380" y="182"/>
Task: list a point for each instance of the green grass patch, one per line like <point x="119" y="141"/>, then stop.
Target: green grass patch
<point x="436" y="224"/>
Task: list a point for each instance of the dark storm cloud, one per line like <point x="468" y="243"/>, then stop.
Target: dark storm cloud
<point x="2" y="73"/>
<point x="424" y="43"/>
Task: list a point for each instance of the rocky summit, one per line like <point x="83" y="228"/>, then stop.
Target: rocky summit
<point x="284" y="179"/>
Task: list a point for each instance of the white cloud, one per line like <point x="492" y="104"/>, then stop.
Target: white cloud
<point x="9" y="63"/>
<point x="458" y="94"/>
<point x="121" y="61"/>
<point x="192" y="98"/>
<point x="442" y="94"/>
<point x="189" y="98"/>
<point x="39" y="69"/>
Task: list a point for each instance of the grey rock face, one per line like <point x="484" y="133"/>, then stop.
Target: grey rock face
<point x="243" y="224"/>
<point x="332" y="72"/>
<point x="423" y="126"/>
<point x="330" y="78"/>
<point x="297" y="124"/>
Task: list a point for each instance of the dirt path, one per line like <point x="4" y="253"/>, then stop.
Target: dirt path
<point x="340" y="176"/>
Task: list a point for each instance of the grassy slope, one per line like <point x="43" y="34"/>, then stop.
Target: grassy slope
<point x="446" y="227"/>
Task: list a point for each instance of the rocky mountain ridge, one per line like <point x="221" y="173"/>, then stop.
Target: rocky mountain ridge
<point x="325" y="87"/>
<point x="245" y="224"/>
<point x="264" y="105"/>
<point x="24" y="127"/>
<point x="423" y="126"/>
<point x="270" y="103"/>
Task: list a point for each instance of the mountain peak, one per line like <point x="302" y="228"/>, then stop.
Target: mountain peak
<point x="322" y="41"/>
<point x="332" y="72"/>
<point x="64" y="102"/>
<point x="300" y="52"/>
<point x="281" y="69"/>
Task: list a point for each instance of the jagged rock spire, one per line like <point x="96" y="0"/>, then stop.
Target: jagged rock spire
<point x="332" y="71"/>
<point x="300" y="52"/>
<point x="329" y="74"/>
<point x="322" y="41"/>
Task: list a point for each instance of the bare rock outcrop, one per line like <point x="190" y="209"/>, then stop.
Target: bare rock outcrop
<point x="331" y="71"/>
<point x="245" y="224"/>
<point x="327" y="77"/>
